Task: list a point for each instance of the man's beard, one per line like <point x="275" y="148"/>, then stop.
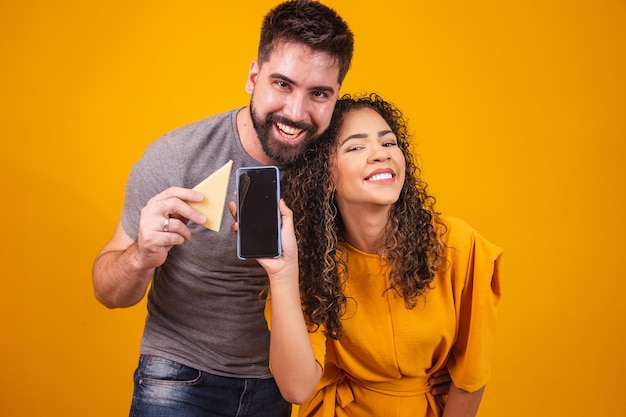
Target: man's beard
<point x="279" y="151"/>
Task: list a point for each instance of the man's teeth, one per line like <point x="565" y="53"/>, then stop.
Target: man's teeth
<point x="380" y="177"/>
<point x="288" y="131"/>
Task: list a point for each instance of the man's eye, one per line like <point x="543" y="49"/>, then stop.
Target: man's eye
<point x="320" y="94"/>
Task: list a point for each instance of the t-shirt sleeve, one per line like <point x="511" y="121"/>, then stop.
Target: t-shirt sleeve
<point x="158" y="169"/>
<point x="470" y="362"/>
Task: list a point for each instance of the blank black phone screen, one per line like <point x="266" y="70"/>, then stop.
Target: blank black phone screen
<point x="258" y="194"/>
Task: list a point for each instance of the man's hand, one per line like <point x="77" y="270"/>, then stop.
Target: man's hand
<point x="440" y="382"/>
<point x="124" y="268"/>
<point x="163" y="224"/>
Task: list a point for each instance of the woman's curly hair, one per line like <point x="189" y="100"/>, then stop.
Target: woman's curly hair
<point x="413" y="246"/>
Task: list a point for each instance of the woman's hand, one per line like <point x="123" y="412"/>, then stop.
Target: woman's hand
<point x="286" y="266"/>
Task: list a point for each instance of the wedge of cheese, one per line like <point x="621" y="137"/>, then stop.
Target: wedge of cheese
<point x="214" y="189"/>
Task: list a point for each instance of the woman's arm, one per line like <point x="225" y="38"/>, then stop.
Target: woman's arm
<point x="292" y="359"/>
<point x="461" y="403"/>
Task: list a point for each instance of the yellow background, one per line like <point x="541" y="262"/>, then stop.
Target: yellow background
<point x="519" y="114"/>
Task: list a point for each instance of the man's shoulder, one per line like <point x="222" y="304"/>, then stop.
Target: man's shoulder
<point x="197" y="136"/>
<point x="202" y="126"/>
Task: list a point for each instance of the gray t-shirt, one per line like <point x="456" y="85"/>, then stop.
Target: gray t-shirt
<point x="204" y="308"/>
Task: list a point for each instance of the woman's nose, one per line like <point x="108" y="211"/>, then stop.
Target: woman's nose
<point x="379" y="154"/>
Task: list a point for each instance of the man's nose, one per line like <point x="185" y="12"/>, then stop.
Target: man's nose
<point x="296" y="107"/>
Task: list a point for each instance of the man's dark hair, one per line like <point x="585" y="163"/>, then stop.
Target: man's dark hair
<point x="310" y="23"/>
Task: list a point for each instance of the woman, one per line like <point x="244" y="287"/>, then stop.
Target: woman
<point x="393" y="292"/>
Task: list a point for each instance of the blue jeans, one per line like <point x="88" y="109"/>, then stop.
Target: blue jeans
<point x="164" y="388"/>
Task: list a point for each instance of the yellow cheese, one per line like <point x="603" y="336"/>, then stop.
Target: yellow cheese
<point x="214" y="189"/>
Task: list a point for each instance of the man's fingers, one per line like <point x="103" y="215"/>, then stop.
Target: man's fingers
<point x="172" y="203"/>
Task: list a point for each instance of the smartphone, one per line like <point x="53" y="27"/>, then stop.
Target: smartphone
<point x="258" y="213"/>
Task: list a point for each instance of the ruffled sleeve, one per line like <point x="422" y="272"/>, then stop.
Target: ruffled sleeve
<point x="474" y="268"/>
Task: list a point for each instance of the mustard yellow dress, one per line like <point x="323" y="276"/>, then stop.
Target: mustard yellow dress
<point x="381" y="365"/>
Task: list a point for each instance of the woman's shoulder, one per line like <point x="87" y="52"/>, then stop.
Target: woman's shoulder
<point x="461" y="235"/>
<point x="456" y="227"/>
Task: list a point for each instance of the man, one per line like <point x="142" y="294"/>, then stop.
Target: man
<point x="205" y="346"/>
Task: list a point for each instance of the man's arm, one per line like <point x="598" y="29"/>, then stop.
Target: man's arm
<point x="123" y="269"/>
<point x="440" y="382"/>
<point x="461" y="403"/>
<point x="119" y="279"/>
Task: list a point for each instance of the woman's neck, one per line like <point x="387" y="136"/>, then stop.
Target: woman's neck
<point x="364" y="228"/>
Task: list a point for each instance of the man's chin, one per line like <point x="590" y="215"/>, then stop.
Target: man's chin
<point x="299" y="142"/>
<point x="285" y="154"/>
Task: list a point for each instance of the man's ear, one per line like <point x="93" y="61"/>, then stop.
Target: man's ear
<point x="253" y="73"/>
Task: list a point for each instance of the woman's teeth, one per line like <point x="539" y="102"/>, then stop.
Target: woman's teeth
<point x="380" y="177"/>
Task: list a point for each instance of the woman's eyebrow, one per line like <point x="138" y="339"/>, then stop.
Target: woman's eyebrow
<point x="364" y="135"/>
<point x="354" y="136"/>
